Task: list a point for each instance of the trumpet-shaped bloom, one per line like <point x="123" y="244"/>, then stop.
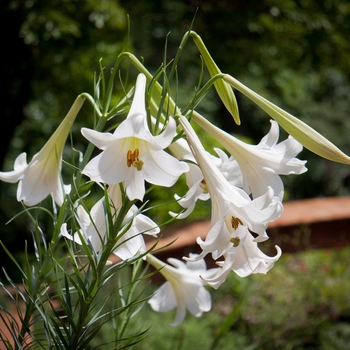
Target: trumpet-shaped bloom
<point x="42" y="176"/>
<point x="93" y="226"/>
<point x="132" y="154"/>
<point x="183" y="290"/>
<point x="247" y="260"/>
<point x="261" y="164"/>
<point x="234" y="213"/>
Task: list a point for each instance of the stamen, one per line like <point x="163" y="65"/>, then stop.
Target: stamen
<point x="132" y="159"/>
<point x="235" y="222"/>
<point x="129" y="158"/>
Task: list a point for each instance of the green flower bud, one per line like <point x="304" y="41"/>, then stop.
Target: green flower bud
<point x="223" y="89"/>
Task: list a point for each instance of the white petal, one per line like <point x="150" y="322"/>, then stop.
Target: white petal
<point x="64" y="233"/>
<point x="270" y="140"/>
<point x="138" y="104"/>
<point x="251" y="259"/>
<point x="115" y="195"/>
<point x="179" y="264"/>
<point x="135" y="184"/>
<point x="166" y="137"/>
<point x="180" y="313"/>
<point x="217" y="240"/>
<point x="18" y="172"/>
<point x="199" y="265"/>
<point x="109" y="166"/>
<point x="162" y="169"/>
<point x="216" y="281"/>
<point x="59" y="192"/>
<point x="130" y="245"/>
<point x="40" y="180"/>
<point x="145" y="225"/>
<point x="21" y="162"/>
<point x="100" y="139"/>
<point x="163" y="299"/>
<point x="134" y="126"/>
<point x="83" y="217"/>
<point x="184" y="214"/>
<point x="202" y="302"/>
<point x="261" y="162"/>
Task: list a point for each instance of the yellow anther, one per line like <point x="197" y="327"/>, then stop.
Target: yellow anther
<point x="132" y="159"/>
<point x="235" y="222"/>
<point x="129" y="158"/>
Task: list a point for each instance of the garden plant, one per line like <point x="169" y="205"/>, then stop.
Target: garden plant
<point x="89" y="268"/>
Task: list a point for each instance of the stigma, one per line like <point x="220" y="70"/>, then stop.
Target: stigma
<point x="235" y="241"/>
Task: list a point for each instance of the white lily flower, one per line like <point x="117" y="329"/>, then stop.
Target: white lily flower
<point x="260" y="164"/>
<point x="183" y="290"/>
<point x="234" y="213"/>
<point x="132" y="154"/>
<point x="42" y="176"/>
<point x="247" y="260"/>
<point x="93" y="226"/>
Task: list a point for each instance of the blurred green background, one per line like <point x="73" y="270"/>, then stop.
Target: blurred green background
<point x="295" y="53"/>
